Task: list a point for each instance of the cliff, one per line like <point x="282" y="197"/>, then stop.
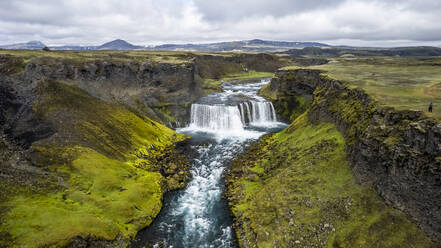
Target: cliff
<point x="296" y="189"/>
<point x="76" y="170"/>
<point x="395" y="152"/>
<point x="85" y="153"/>
<point x="161" y="86"/>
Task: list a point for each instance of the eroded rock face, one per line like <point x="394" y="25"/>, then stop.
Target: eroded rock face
<point x="158" y="90"/>
<point x="17" y="119"/>
<point x="398" y="153"/>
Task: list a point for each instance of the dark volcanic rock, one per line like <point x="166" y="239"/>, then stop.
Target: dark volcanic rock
<point x="147" y="87"/>
<point x="17" y="119"/>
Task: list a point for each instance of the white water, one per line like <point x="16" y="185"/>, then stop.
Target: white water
<point x="197" y="216"/>
<point x="216" y="118"/>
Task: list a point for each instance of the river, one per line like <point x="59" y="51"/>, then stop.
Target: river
<point x="221" y="125"/>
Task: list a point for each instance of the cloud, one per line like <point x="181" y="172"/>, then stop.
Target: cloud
<point x="151" y="22"/>
<point x="234" y="10"/>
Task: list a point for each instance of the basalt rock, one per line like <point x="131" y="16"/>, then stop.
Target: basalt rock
<point x="158" y="90"/>
<point x="396" y="152"/>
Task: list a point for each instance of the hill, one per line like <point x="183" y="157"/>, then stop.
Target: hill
<point x="396" y="51"/>
<point x="31" y="45"/>
<point x="255" y="45"/>
<point x="118" y="45"/>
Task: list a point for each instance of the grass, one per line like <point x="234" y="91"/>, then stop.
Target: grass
<point x="213" y="85"/>
<point x="289" y="107"/>
<point x="105" y="198"/>
<point x="247" y="75"/>
<point x="296" y="189"/>
<point x="404" y="83"/>
<point x="104" y="189"/>
<point x="115" y="56"/>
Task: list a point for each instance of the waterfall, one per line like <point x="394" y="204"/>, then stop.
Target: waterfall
<point x="248" y="111"/>
<point x="258" y="112"/>
<point x="219" y="117"/>
<point x="216" y="117"/>
<point x="242" y="114"/>
<point x="196" y="216"/>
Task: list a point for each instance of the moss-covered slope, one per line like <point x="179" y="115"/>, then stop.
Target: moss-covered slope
<point x="296" y="189"/>
<point x="106" y="169"/>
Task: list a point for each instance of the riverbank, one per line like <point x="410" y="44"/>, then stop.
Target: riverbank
<point x="391" y="153"/>
<point x="296" y="189"/>
<point x="221" y="127"/>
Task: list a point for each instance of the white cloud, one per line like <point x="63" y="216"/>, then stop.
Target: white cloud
<point x="151" y="22"/>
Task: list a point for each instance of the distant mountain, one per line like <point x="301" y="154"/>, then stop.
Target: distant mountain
<point x="118" y="45"/>
<point x="368" y="51"/>
<point x="246" y="45"/>
<point x="285" y="43"/>
<point x="256" y="45"/>
<point x="31" y="45"/>
<point x="73" y="47"/>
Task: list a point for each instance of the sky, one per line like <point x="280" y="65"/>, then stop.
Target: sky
<point x="153" y="22"/>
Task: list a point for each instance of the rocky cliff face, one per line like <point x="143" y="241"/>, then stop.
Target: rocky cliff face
<point x="398" y="153"/>
<point x="160" y="91"/>
<point x="67" y="155"/>
<point x="84" y="158"/>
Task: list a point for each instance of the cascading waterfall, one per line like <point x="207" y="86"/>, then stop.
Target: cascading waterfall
<point x="231" y="118"/>
<point x="197" y="216"/>
<point x="242" y="114"/>
<point x="216" y="118"/>
<point x="259" y="112"/>
<point x="248" y="111"/>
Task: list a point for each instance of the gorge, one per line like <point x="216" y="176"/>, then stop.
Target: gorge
<point x="118" y="149"/>
<point x="198" y="216"/>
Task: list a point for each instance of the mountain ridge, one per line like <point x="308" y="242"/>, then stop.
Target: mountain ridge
<point x="295" y="48"/>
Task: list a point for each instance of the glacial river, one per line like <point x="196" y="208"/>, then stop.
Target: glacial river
<point x="221" y="126"/>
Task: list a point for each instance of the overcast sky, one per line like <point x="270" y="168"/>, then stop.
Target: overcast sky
<point x="145" y="22"/>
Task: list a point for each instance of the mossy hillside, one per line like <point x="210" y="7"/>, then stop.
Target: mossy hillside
<point x="105" y="157"/>
<point x="405" y="83"/>
<point x="288" y="107"/>
<point x="351" y="107"/>
<point x="296" y="189"/>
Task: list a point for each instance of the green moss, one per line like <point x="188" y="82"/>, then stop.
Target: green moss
<point x="247" y="75"/>
<point x="214" y="84"/>
<point x="391" y="141"/>
<point x="405" y="83"/>
<point x="79" y="57"/>
<point x="104" y="198"/>
<point x="266" y="92"/>
<point x="110" y="129"/>
<point x="100" y="155"/>
<point x="308" y="197"/>
<point x="349" y="109"/>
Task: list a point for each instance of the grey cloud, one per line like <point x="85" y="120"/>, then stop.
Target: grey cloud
<point x="151" y="21"/>
<point x="213" y="10"/>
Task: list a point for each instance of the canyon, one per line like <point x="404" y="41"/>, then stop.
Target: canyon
<point x="106" y="148"/>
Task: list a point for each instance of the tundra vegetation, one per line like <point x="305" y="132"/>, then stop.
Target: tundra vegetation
<point x="405" y="83"/>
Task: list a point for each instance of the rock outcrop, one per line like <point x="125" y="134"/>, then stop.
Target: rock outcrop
<point x="162" y="90"/>
<point x="396" y="152"/>
<point x="85" y="157"/>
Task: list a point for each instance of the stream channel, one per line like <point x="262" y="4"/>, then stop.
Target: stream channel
<point x="221" y="125"/>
